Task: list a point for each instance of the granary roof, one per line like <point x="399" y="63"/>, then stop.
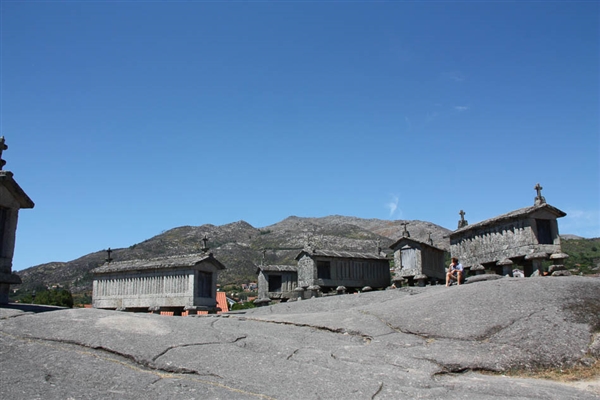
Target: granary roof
<point x="342" y="254"/>
<point x="188" y="260"/>
<point x="277" y="268"/>
<point x="406" y="239"/>
<point x="516" y="214"/>
<point x="6" y="179"/>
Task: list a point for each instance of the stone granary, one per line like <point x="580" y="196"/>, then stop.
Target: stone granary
<point x="329" y="269"/>
<point x="170" y="284"/>
<point x="12" y="199"/>
<point x="417" y="260"/>
<point x="524" y="237"/>
<point x="277" y="282"/>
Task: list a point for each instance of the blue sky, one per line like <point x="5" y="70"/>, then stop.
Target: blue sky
<point x="124" y="119"/>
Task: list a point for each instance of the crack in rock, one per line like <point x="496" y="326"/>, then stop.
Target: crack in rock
<point x="499" y="328"/>
<point x="378" y="390"/>
<point x="140" y="365"/>
<point x="154" y="381"/>
<point x="237" y="339"/>
<point x="137" y="361"/>
<point x="293" y="353"/>
<point x="450" y="368"/>
<point x="343" y="331"/>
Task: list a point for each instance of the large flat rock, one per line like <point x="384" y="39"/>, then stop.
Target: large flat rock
<point x="405" y="343"/>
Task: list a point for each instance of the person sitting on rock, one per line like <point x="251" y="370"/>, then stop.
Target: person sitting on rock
<point x="455" y="272"/>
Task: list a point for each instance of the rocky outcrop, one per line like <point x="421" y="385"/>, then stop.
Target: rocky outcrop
<point x="430" y="342"/>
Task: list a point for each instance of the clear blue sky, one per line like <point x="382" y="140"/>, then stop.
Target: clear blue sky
<point x="124" y="119"/>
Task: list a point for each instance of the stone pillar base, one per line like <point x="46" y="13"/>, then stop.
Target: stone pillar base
<point x="196" y="310"/>
<point x="421" y="280"/>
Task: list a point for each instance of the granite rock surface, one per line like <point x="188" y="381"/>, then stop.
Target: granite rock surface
<point x="432" y="343"/>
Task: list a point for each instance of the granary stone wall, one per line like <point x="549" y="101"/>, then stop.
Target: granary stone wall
<point x="288" y="282"/>
<point x="144" y="290"/>
<point x="407" y="262"/>
<point x="433" y="263"/>
<point x="412" y="258"/>
<point x="511" y="239"/>
<point x="342" y="271"/>
<point x="176" y="282"/>
<point x="7" y="199"/>
<point x="307" y="271"/>
<point x="149" y="289"/>
<point x="263" y="285"/>
<point x="12" y="198"/>
<point x="9" y="215"/>
<point x="355" y="273"/>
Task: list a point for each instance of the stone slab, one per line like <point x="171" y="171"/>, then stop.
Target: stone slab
<point x="402" y="343"/>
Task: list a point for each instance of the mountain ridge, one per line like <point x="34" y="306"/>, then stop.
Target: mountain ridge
<point x="241" y="246"/>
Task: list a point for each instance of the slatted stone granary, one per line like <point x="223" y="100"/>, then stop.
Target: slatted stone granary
<point x="329" y="269"/>
<point x="170" y="284"/>
<point x="276" y="282"/>
<point x="414" y="258"/>
<point x="521" y="238"/>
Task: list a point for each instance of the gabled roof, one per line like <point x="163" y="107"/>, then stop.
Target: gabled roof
<point x="513" y="215"/>
<point x="277" y="268"/>
<point x="341" y="254"/>
<point x="6" y="179"/>
<point x="408" y="240"/>
<point x="188" y="260"/>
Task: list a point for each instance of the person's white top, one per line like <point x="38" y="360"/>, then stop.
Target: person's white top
<point x="458" y="267"/>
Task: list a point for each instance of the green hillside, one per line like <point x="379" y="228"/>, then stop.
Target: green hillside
<point x="584" y="254"/>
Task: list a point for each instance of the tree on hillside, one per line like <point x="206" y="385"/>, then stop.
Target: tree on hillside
<point x="54" y="297"/>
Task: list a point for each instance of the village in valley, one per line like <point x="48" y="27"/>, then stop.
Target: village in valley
<point x="521" y="243"/>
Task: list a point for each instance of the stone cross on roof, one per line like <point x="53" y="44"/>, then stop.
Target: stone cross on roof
<point x="405" y="233"/>
<point x="264" y="256"/>
<point x="204" y="244"/>
<point x="539" y="199"/>
<point x="109" y="259"/>
<point x="463" y="222"/>
<point x="3" y="147"/>
<point x="429" y="239"/>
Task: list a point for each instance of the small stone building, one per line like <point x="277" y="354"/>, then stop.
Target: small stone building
<point x="329" y="269"/>
<point x="12" y="199"/>
<point x="177" y="284"/>
<point x="524" y="238"/>
<point x="277" y="282"/>
<point x="415" y="258"/>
